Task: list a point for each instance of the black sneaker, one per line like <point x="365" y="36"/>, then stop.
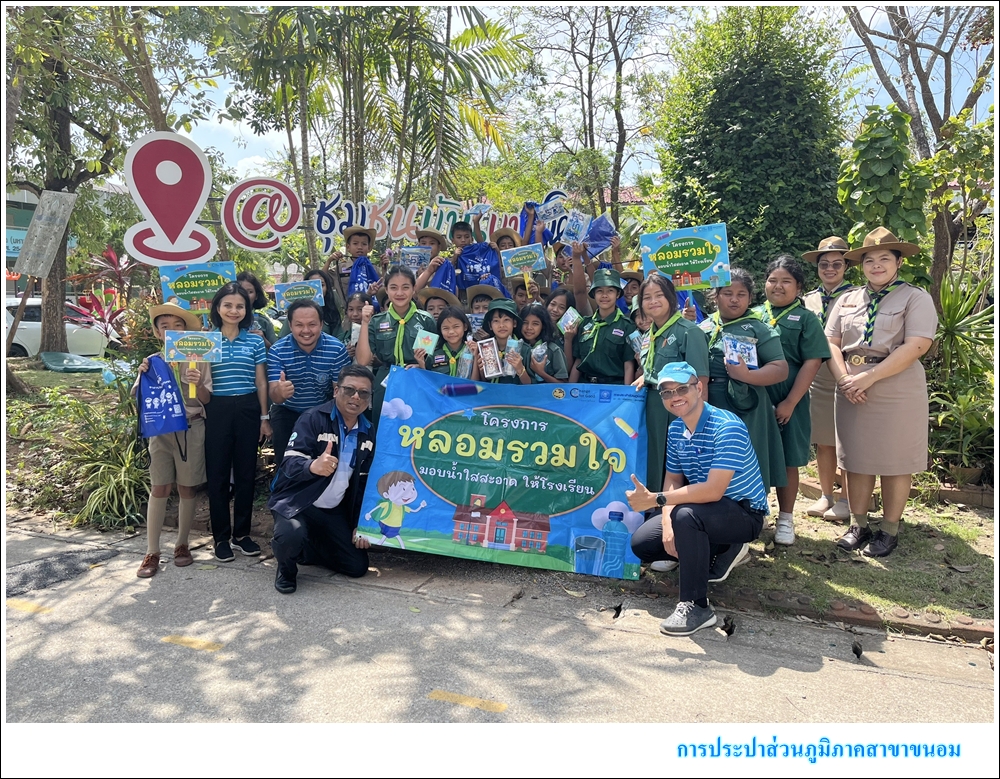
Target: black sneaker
<point x="724" y="562"/>
<point x="224" y="552"/>
<point x="855" y="538"/>
<point x="881" y="545"/>
<point x="247" y="546"/>
<point x="687" y="619"/>
<point x="284" y="581"/>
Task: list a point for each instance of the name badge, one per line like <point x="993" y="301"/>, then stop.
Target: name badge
<point x="384" y="326"/>
<point x="671" y="340"/>
<point x="794" y="317"/>
<point x="619" y="333"/>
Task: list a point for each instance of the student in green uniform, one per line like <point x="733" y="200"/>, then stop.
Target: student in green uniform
<point x="434" y="300"/>
<point x="388" y="336"/>
<point x="454" y="329"/>
<point x="602" y="353"/>
<point x="502" y="322"/>
<point x="538" y="333"/>
<point x="739" y="389"/>
<point x="355" y="305"/>
<point x="805" y="347"/>
<point x="262" y="326"/>
<point x="672" y="338"/>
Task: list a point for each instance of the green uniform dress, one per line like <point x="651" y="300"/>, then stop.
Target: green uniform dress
<point x="802" y="339"/>
<point x="525" y="351"/>
<point x="748" y="402"/>
<point x="444" y="360"/>
<point x="602" y="346"/>
<point x="555" y="362"/>
<point x="678" y="340"/>
<point x="266" y="326"/>
<point x="382" y="341"/>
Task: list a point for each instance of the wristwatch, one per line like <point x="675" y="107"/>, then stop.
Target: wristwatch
<point x="264" y="417"/>
<point x="661" y="499"/>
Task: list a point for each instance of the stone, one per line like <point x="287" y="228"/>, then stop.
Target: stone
<point x="838" y="605"/>
<point x="900" y="613"/>
<point x="866" y="609"/>
<point x="963" y="619"/>
<point x="776" y="596"/>
<point x="934" y="619"/>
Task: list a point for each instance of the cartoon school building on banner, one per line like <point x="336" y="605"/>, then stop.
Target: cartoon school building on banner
<point x="499" y="527"/>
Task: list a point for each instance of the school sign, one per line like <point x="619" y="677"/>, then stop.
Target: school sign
<point x="532" y="475"/>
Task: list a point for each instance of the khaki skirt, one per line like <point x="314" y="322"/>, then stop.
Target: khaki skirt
<point x="821" y="395"/>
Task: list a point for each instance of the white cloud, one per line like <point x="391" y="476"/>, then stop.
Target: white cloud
<point x="631" y="519"/>
<point x="396" y="409"/>
<point x="250" y="166"/>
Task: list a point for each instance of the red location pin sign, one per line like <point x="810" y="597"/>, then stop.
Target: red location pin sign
<point x="169" y="179"/>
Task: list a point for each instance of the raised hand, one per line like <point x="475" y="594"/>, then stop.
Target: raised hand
<point x="285" y="389"/>
<point x="326" y="463"/>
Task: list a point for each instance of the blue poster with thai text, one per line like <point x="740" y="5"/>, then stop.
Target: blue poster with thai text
<point x="524" y="475"/>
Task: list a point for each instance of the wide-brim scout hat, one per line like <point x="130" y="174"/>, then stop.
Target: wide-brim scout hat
<point x="191" y="321"/>
<point x="606" y="277"/>
<point x="880" y="238"/>
<point x="503" y="306"/>
<point x="832" y="244"/>
<point x="559" y="247"/>
<point x="358" y="230"/>
<point x="436" y="292"/>
<point x="510" y="232"/>
<point x="483" y="289"/>
<point x="442" y="241"/>
<point x="632" y="275"/>
<point x="633" y="307"/>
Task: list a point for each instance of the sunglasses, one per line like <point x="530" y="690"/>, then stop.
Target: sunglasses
<point x="666" y="394"/>
<point x="351" y="392"/>
<point x="831" y="265"/>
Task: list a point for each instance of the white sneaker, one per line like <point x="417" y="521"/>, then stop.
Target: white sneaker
<point x="784" y="532"/>
<point x="662" y="566"/>
<point x="838" y="512"/>
<point x="820" y="507"/>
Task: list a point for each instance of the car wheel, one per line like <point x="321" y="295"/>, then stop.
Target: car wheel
<point x="16" y="350"/>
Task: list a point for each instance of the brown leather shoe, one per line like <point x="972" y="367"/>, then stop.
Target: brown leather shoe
<point x="150" y="565"/>
<point x="855" y="538"/>
<point x="182" y="556"/>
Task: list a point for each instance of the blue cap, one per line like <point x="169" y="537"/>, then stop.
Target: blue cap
<point x="679" y="372"/>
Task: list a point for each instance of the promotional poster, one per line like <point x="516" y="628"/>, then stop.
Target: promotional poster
<point x="691" y="257"/>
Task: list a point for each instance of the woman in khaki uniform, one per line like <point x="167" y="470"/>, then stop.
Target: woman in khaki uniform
<point x="877" y="334"/>
<point x="830" y="262"/>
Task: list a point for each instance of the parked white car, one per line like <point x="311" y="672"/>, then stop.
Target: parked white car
<point x="81" y="338"/>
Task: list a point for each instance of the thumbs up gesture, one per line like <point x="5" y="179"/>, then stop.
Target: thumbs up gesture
<point x="284" y="389"/>
<point x="640" y="498"/>
<point x="326" y="463"/>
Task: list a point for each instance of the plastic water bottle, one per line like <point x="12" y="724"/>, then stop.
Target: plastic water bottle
<point x="464" y="370"/>
<point x="615" y="539"/>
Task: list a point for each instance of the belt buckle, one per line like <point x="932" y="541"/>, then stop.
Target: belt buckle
<point x="856" y="359"/>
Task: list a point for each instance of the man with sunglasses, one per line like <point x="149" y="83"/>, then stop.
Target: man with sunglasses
<point x="713" y="502"/>
<point x="316" y="495"/>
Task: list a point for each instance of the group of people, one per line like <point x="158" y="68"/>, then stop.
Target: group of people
<point x="837" y="366"/>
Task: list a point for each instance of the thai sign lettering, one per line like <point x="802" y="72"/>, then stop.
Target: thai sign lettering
<point x="692" y="257"/>
<point x="193" y="286"/>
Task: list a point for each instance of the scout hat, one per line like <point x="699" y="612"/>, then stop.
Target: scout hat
<point x="442" y="241"/>
<point x="559" y="247"/>
<point x="633" y="307"/>
<point x="677" y="372"/>
<point x="832" y="244"/>
<point x="490" y="286"/>
<point x="510" y="232"/>
<point x="436" y="292"/>
<point x="632" y="275"/>
<point x="880" y="238"/>
<point x="359" y="230"/>
<point x="505" y="306"/>
<point x="605" y="277"/>
<point x="191" y="321"/>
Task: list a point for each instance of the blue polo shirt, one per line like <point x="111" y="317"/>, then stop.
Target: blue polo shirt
<point x="236" y="372"/>
<point x="312" y="373"/>
<point x="346" y="460"/>
<point x="721" y="441"/>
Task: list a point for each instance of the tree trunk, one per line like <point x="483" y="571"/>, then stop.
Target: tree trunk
<point x="15" y="384"/>
<point x="53" y="303"/>
<point x="616" y="166"/>
<point x="307" y="189"/>
<point x="946" y="231"/>
<point x="407" y="95"/>
<point x="439" y="133"/>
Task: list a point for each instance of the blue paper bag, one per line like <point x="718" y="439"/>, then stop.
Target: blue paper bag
<point x="159" y="400"/>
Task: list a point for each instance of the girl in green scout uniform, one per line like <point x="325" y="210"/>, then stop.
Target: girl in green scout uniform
<point x="805" y="348"/>
<point x="355" y="305"/>
<point x="331" y="314"/>
<point x="537" y="330"/>
<point x="671" y="338"/>
<point x="503" y="323"/>
<point x="739" y="389"/>
<point x="831" y="265"/>
<point x="602" y="353"/>
<point x="454" y="329"/>
<point x="388" y="336"/>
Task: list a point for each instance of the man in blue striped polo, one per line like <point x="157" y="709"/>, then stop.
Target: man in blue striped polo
<point x="713" y="501"/>
<point x="301" y="370"/>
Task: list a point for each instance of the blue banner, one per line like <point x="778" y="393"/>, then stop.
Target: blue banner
<point x="531" y="475"/>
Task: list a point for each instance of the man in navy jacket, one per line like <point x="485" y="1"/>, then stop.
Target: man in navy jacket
<point x="316" y="496"/>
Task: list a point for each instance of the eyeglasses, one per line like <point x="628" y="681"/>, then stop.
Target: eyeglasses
<point x="666" y="394"/>
<point x="351" y="392"/>
<point x="831" y="265"/>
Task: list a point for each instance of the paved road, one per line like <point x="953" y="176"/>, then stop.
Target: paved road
<point x="425" y="639"/>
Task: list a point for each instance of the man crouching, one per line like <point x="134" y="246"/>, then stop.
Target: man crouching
<point x="316" y="496"/>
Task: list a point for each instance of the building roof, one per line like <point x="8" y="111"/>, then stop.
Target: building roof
<point x="525" y="520"/>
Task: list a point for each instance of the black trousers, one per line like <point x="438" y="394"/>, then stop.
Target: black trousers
<point x="701" y="531"/>
<point x="282" y="423"/>
<point x="318" y="536"/>
<point x="232" y="430"/>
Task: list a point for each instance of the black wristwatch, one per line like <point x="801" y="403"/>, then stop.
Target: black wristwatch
<point x="661" y="499"/>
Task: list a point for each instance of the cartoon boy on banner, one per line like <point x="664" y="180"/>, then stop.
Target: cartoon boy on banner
<point x="398" y="489"/>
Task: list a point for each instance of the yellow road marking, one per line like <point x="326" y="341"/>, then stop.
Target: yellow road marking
<point x="27" y="606"/>
<point x="193" y="643"/>
<point x="465" y="700"/>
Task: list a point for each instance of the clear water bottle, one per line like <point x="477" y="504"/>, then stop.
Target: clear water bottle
<point x="464" y="370"/>
<point x="615" y="539"/>
<point x="512" y="347"/>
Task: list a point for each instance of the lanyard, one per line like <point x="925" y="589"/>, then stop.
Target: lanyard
<point x="771" y="318"/>
<point x="651" y="354"/>
<point x="598" y="324"/>
<point x="876" y="298"/>
<point x="828" y="297"/>
<point x="717" y="320"/>
<point x="401" y="321"/>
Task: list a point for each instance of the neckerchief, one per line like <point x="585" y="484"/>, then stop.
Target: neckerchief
<point x="651" y="353"/>
<point x="876" y="298"/>
<point x="452" y="359"/>
<point x="401" y="321"/>
<point x="717" y="321"/>
<point x="771" y="319"/>
<point x="828" y="297"/>
<point x="596" y="331"/>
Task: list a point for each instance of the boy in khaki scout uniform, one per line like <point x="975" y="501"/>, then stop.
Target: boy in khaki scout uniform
<point x="601" y="352"/>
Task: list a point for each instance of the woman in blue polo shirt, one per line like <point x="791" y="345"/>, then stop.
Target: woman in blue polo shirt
<point x="236" y="420"/>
